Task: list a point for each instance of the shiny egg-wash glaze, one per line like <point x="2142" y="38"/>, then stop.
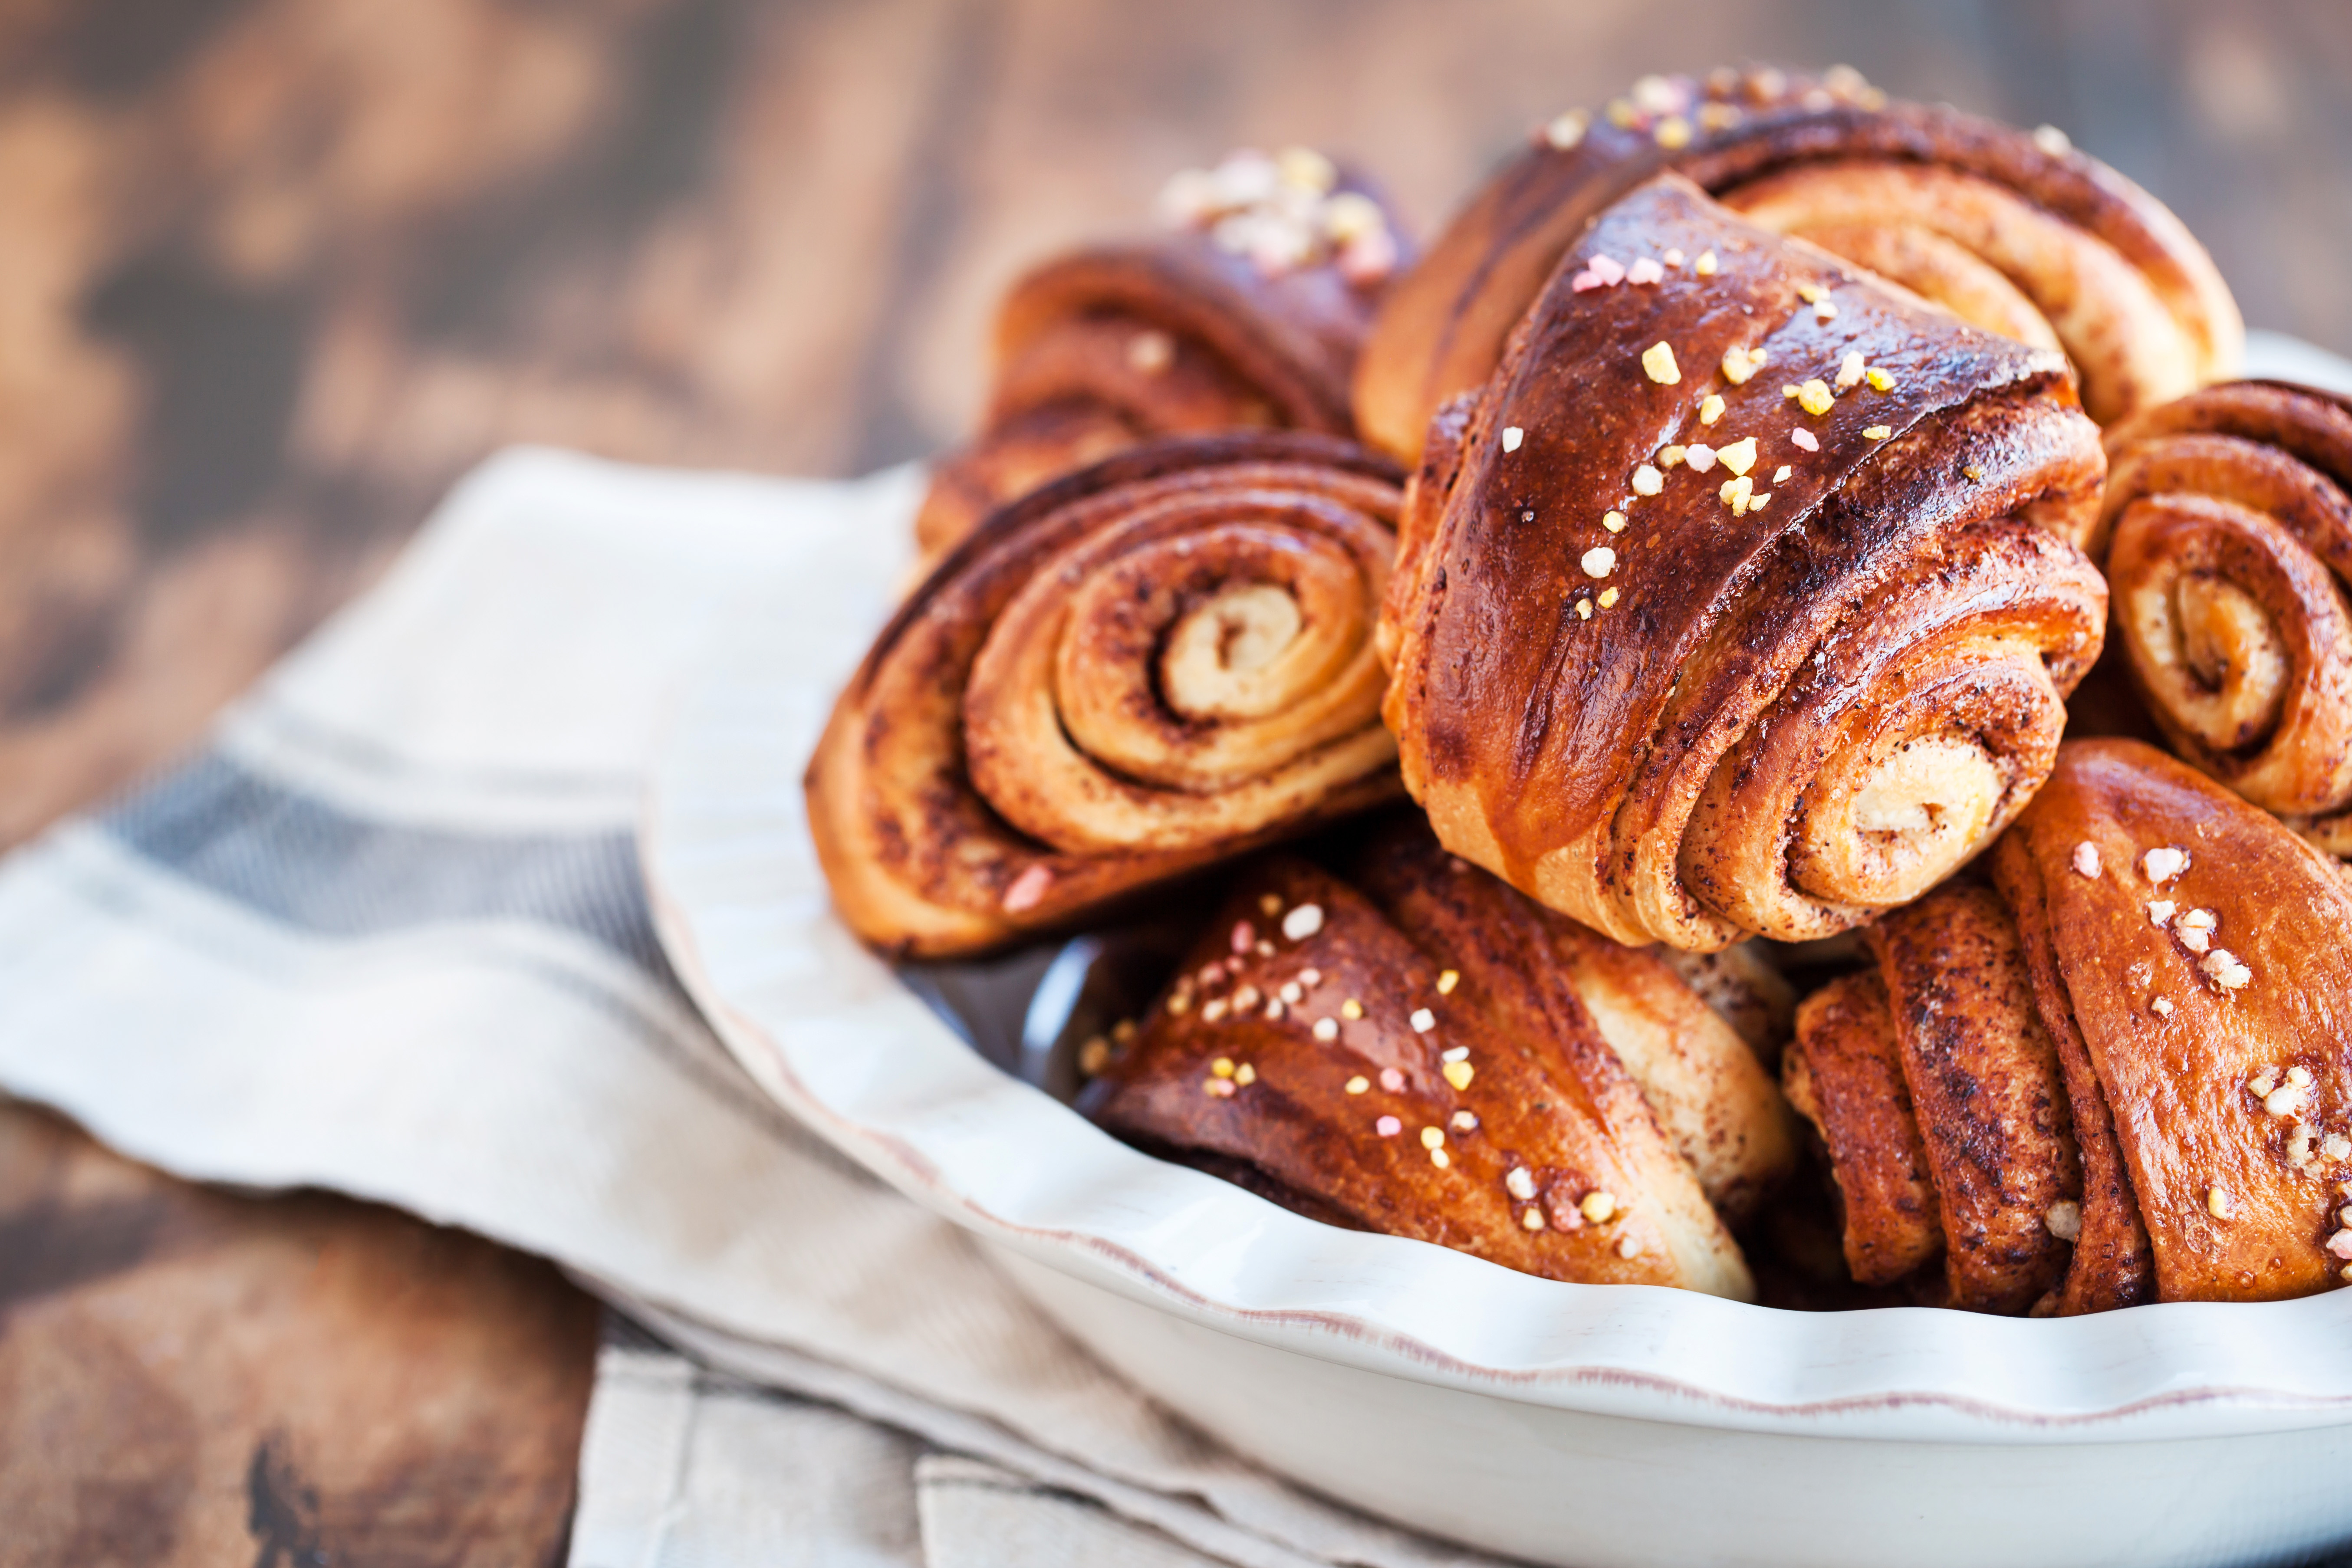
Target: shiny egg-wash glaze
<point x="1689" y="644"/>
<point x="1420" y="1050"/>
<point x="1185" y="331"/>
<point x="2128" y="1069"/>
<point x="2226" y="536"/>
<point x="2016" y="233"/>
<point x="1198" y="611"/>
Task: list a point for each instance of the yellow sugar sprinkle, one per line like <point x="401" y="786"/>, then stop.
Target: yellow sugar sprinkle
<point x="1447" y="981"/>
<point x="1658" y="363"/>
<point x="1598" y="1206"/>
<point x="1647" y="480"/>
<point x="1433" y="1138"/>
<point x="1791" y="390"/>
<point x="1739" y="456"/>
<point x="1879" y="432"/>
<point x="1458" y="1074"/>
<point x="1440" y="1158"/>
<point x="1736" y="366"/>
<point x="1351" y="1008"/>
<point x="1583" y="609"/>
<point x="1811" y="293"/>
<point x="1711" y="410"/>
<point x="1879" y="380"/>
<point x="1850" y="370"/>
<point x="1534" y="1220"/>
<point x="1814" y="397"/>
<point x="1222" y="1066"/>
<point x="1673" y="133"/>
<point x="1613" y="521"/>
<point x="1780" y="475"/>
<point x="1756" y="502"/>
<point x="1358" y="1084"/>
<point x="1245" y="1074"/>
<point x="1608" y="597"/>
<point x="1705" y="265"/>
<point x="1671" y="457"/>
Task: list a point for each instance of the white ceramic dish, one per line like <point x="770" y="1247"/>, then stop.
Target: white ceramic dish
<point x="1559" y="1423"/>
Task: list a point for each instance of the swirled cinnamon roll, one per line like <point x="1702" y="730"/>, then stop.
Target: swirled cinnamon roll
<point x="2228" y="522"/>
<point x="1246" y="312"/>
<point x="2124" y="1076"/>
<point x="1141" y="669"/>
<point x="1719" y="612"/>
<point x="2016" y="234"/>
<point x="1421" y="1051"/>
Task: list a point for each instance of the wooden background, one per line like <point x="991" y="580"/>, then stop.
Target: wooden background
<point x="273" y="272"/>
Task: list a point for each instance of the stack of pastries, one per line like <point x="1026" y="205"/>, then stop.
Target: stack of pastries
<point x="1609" y="681"/>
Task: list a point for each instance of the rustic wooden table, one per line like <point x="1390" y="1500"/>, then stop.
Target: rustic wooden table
<point x="274" y="272"/>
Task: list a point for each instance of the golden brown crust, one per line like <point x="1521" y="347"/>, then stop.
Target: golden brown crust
<point x="2230" y="550"/>
<point x="2067" y="234"/>
<point x="1988" y="1093"/>
<point x="1703" y="1085"/>
<point x="1011" y="459"/>
<point x="2189" y="979"/>
<point x="1709" y="1089"/>
<point x="1288" y="340"/>
<point x="1256" y="1057"/>
<point x="1844" y="1073"/>
<point x="2262" y="992"/>
<point x="1718" y="721"/>
<point x="2070" y="286"/>
<point x="2112" y="1266"/>
<point x="952" y="801"/>
<point x="1158" y="381"/>
<point x="1173" y="335"/>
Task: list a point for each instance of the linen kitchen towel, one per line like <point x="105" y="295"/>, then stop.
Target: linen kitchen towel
<point x="386" y="935"/>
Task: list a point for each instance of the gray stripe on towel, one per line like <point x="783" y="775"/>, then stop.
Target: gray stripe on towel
<point x="312" y="865"/>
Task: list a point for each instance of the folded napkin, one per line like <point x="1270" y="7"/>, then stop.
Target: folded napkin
<point x="386" y="935"/>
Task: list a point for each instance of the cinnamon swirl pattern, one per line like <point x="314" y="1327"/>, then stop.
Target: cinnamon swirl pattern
<point x="2229" y="525"/>
<point x="1719" y="611"/>
<point x="2121" y="1077"/>
<point x="1152" y="664"/>
<point x="1419" y="1050"/>
<point x="2016" y="234"/>
<point x="1246" y="313"/>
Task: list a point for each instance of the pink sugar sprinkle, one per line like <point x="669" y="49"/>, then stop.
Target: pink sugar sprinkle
<point x="1391" y="1079"/>
<point x="1244" y="934"/>
<point x="1606" y="270"/>
<point x="1804" y="438"/>
<point x="1028" y="889"/>
<point x="1645" y="269"/>
<point x="1387" y="1126"/>
<point x="1583" y="282"/>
